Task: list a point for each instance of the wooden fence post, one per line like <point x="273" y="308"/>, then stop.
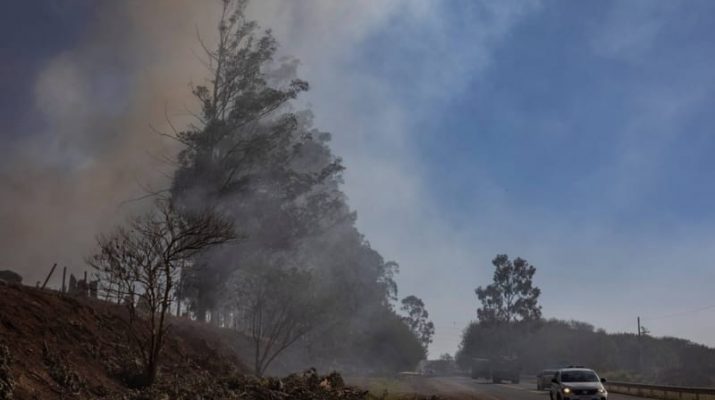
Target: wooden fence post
<point x="64" y="278"/>
<point x="52" y="270"/>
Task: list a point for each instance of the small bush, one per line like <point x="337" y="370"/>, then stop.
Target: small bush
<point x="7" y="383"/>
<point x="68" y="380"/>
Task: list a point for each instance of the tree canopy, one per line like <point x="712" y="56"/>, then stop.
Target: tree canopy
<point x="264" y="165"/>
<point x="417" y="319"/>
<point x="512" y="296"/>
<point x="299" y="272"/>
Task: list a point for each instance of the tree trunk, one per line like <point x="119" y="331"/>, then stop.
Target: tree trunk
<point x="257" y="364"/>
<point x="151" y="371"/>
<point x="201" y="313"/>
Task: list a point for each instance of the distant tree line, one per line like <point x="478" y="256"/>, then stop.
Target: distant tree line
<point x="509" y="323"/>
<point x="618" y="356"/>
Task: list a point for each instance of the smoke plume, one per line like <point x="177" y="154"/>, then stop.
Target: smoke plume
<point x="102" y="105"/>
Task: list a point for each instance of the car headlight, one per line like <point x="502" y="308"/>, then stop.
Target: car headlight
<point x="601" y="390"/>
<point x="567" y="390"/>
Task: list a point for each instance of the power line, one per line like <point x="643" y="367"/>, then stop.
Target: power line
<point x="680" y="313"/>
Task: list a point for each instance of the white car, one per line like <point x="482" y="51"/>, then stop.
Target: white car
<point x="577" y="384"/>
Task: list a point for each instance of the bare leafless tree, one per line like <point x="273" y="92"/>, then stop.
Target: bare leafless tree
<point x="143" y="261"/>
<point x="276" y="308"/>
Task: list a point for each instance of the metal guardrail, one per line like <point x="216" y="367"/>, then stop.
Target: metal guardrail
<point x="661" y="391"/>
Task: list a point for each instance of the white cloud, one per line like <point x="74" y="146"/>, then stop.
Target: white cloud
<point x="631" y="28"/>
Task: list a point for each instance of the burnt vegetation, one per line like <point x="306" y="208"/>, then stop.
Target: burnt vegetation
<point x="64" y="347"/>
<point x="142" y="264"/>
<point x="254" y="233"/>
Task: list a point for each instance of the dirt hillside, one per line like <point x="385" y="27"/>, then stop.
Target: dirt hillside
<point x="54" y="346"/>
<point x="63" y="347"/>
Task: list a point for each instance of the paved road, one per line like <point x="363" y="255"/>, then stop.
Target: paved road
<point x="466" y="388"/>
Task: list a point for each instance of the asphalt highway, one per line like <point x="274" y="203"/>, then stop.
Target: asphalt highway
<point x="467" y="388"/>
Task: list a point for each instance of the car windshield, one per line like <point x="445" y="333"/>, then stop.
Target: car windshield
<point x="579" y="376"/>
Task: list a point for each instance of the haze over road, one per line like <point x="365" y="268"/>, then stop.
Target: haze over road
<point x="467" y="388"/>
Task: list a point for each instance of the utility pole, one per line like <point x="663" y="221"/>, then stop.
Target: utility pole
<point x="639" y="329"/>
<point x="640" y="347"/>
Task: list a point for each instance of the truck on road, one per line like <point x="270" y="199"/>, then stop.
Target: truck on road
<point x="496" y="369"/>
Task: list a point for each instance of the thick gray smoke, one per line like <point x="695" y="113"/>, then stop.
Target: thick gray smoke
<point x="133" y="67"/>
<point x="103" y="102"/>
<point x="65" y="184"/>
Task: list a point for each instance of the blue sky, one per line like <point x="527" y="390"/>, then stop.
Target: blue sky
<point x="550" y="119"/>
<point x="578" y="135"/>
<point x="33" y="33"/>
<point x="574" y="134"/>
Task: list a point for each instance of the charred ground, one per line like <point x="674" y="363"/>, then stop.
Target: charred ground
<point x="56" y="346"/>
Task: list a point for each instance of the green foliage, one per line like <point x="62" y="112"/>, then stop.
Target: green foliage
<point x="512" y="296"/>
<point x="554" y="343"/>
<point x="389" y="346"/>
<point x="256" y="158"/>
<point x="417" y="319"/>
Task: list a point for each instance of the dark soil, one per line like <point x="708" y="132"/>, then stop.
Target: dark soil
<point x="53" y="346"/>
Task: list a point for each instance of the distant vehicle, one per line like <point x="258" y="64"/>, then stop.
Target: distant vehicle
<point x="437" y="367"/>
<point x="497" y="370"/>
<point x="577" y="384"/>
<point x="506" y="369"/>
<point x="481" y="368"/>
<point x="543" y="378"/>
